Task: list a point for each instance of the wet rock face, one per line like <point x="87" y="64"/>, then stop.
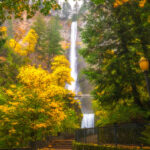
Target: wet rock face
<point x="66" y="30"/>
<point x="86" y="105"/>
<point x="85" y="87"/>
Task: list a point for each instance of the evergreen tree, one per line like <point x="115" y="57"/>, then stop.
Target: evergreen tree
<point x="9" y="61"/>
<point x="54" y="37"/>
<point x="66" y="10"/>
<point x="113" y="49"/>
<point x="48" y="44"/>
<point x="41" y="29"/>
<point x="18" y="7"/>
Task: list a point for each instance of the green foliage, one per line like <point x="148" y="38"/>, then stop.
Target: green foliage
<point x="18" y="7"/>
<point x="36" y="109"/>
<point x="98" y="1"/>
<point x="115" y="39"/>
<point x="49" y="36"/>
<point x="120" y="113"/>
<point x="2" y="97"/>
<point x="81" y="146"/>
<point x="9" y="64"/>
<point x="31" y="113"/>
<point x="54" y="37"/>
<point x="72" y="120"/>
<point x="2" y="39"/>
<point x="37" y="105"/>
<point x="41" y="29"/>
<point x="75" y="17"/>
<point x="146" y="135"/>
<point x="10" y="28"/>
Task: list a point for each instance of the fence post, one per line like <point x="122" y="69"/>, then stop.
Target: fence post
<point x="98" y="136"/>
<point x="76" y="135"/>
<point x="84" y="135"/>
<point x="115" y="134"/>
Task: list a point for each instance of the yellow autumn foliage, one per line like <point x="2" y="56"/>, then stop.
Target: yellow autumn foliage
<point x="121" y="2"/>
<point x="12" y="131"/>
<point x="60" y="61"/>
<point x="26" y="45"/>
<point x="111" y="52"/>
<point x="40" y="103"/>
<point x="30" y="40"/>
<point x="34" y="77"/>
<point x="3" y="31"/>
<point x="19" y="33"/>
<point x="65" y="45"/>
<point x="142" y="3"/>
<point x="62" y="76"/>
<point x="51" y="84"/>
<point x="9" y="92"/>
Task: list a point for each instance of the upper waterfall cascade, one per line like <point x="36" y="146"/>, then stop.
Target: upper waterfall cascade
<point x="73" y="57"/>
<point x="88" y="119"/>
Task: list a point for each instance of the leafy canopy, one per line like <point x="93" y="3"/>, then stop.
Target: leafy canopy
<point x="39" y="106"/>
<point x="8" y="8"/>
<point x="115" y="38"/>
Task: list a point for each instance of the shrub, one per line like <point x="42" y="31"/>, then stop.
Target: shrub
<point x="82" y="146"/>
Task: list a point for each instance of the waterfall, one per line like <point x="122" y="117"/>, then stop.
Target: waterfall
<point x="87" y="121"/>
<point x="88" y="118"/>
<point x="73" y="57"/>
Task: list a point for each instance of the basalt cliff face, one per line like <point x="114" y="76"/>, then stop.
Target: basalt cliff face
<point x="25" y="24"/>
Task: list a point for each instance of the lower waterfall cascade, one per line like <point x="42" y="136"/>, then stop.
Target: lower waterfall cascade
<point x="87" y="121"/>
<point x="88" y="118"/>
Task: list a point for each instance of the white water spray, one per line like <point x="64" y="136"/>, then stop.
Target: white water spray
<point x="88" y="119"/>
<point x="73" y="57"/>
